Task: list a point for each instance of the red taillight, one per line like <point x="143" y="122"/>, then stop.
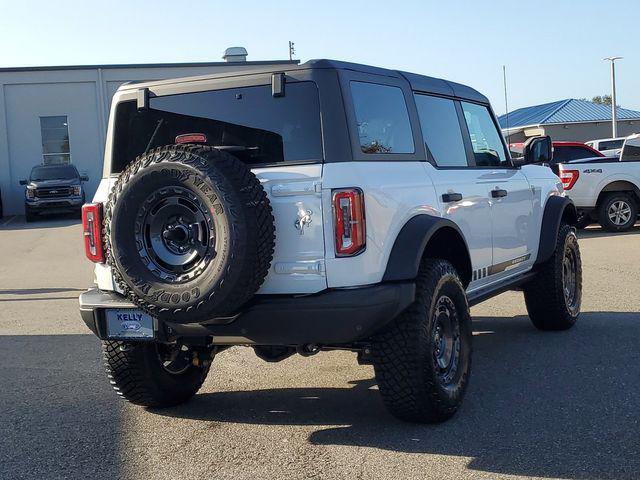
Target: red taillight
<point x="191" y="138"/>
<point x="569" y="178"/>
<point x="92" y="231"/>
<point x="348" y="216"/>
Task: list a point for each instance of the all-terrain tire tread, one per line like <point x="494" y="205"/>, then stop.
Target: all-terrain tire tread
<point x="544" y="295"/>
<point x="407" y="389"/>
<point x="256" y="263"/>
<point x="129" y="376"/>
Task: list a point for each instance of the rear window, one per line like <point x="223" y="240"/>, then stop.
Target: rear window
<point x="382" y="117"/>
<point x="272" y="129"/>
<point x="563" y="154"/>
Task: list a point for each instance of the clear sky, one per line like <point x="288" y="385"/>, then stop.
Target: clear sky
<point x="552" y="49"/>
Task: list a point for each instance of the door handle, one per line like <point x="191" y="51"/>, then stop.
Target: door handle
<point x="451" y="197"/>
<point x="499" y="193"/>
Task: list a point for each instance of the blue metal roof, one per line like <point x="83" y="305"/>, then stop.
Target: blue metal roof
<point x="564" y="111"/>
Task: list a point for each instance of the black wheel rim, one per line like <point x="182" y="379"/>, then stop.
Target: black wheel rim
<point x="570" y="278"/>
<point x="175" y="358"/>
<point x="445" y="339"/>
<point x="175" y="234"/>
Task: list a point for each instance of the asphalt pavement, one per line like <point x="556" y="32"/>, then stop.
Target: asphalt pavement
<point x="541" y="405"/>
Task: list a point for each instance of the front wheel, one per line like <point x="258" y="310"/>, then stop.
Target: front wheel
<point x="153" y="374"/>
<point x="554" y="296"/>
<point x="422" y="360"/>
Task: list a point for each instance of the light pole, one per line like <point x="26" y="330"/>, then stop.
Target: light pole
<point x="614" y="117"/>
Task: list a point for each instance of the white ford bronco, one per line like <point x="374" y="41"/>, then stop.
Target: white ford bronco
<point x="606" y="189"/>
<point x="325" y="206"/>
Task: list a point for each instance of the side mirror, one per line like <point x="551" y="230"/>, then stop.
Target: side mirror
<point x="84" y="178"/>
<point x="23" y="182"/>
<point x="538" y="150"/>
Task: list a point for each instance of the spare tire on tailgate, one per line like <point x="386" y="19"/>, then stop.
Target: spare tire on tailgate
<point x="189" y="232"/>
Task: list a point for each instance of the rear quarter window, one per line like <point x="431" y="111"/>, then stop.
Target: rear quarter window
<point x="382" y="118"/>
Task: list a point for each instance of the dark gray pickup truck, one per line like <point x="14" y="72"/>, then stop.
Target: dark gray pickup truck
<point x="52" y="189"/>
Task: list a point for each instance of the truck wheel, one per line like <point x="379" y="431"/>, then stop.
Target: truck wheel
<point x="189" y="233"/>
<point x="553" y="297"/>
<point x="618" y="212"/>
<point x="29" y="216"/>
<point x="152" y="374"/>
<point x="422" y="360"/>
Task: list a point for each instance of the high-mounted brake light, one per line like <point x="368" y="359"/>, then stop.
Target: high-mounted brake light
<point x="191" y="138"/>
<point x="92" y="231"/>
<point x="349" y="221"/>
<point x="569" y="178"/>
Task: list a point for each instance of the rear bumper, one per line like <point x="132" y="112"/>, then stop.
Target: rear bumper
<point x="331" y="317"/>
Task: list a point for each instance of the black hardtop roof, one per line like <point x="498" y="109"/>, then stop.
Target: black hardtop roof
<point x="418" y="82"/>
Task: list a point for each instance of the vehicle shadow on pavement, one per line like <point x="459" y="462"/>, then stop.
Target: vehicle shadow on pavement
<point x="59" y="417"/>
<point x="54" y="221"/>
<point x="557" y="404"/>
<point x="596" y="231"/>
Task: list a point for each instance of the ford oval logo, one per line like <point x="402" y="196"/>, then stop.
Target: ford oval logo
<point x="131" y="325"/>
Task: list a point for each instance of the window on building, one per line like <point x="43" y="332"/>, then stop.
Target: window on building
<point x="55" y="140"/>
<point x="441" y="130"/>
<point x="383" y="118"/>
<point x="488" y="148"/>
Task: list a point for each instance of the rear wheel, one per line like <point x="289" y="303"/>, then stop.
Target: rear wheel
<point x="153" y="374"/>
<point x="554" y="296"/>
<point x="423" y="359"/>
<point x="618" y="212"/>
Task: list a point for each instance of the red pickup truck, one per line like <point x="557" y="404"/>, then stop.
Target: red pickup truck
<point x="563" y="152"/>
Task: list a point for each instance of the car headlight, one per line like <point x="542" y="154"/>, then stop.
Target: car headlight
<point x="77" y="190"/>
<point x="31" y="192"/>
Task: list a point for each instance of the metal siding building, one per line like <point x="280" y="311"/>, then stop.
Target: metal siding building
<point x="567" y="120"/>
<point x="37" y="101"/>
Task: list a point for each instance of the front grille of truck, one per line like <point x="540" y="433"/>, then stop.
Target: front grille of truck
<point x="53" y="192"/>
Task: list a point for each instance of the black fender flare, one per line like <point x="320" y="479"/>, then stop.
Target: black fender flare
<point x="555" y="210"/>
<point x="410" y="244"/>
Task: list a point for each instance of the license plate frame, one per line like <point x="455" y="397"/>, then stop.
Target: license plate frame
<point x="129" y="324"/>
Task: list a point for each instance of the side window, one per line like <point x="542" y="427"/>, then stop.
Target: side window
<point x="441" y="131"/>
<point x="383" y="118"/>
<point x="631" y="150"/>
<point x="611" y="144"/>
<point x="486" y="141"/>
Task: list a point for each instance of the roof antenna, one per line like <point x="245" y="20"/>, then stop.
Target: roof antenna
<point x="292" y="50"/>
<point x="506" y="106"/>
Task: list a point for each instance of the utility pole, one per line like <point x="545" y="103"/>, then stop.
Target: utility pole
<point x="506" y="106"/>
<point x="614" y="116"/>
<point x="292" y="49"/>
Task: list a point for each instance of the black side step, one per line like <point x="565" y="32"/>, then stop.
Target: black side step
<point x="486" y="293"/>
